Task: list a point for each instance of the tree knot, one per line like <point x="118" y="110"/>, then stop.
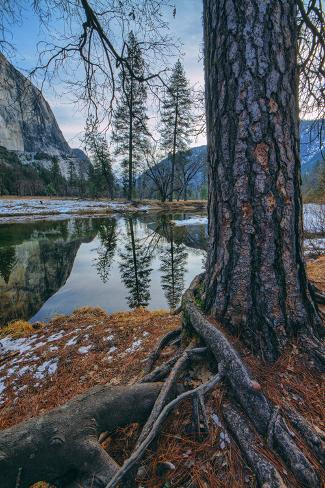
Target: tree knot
<point x="57" y="440"/>
<point x="261" y="154"/>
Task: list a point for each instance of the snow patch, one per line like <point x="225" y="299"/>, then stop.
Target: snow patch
<point x="72" y="341"/>
<point x="47" y="368"/>
<point x="84" y="349"/>
<point x="190" y="221"/>
<point x="136" y="344"/>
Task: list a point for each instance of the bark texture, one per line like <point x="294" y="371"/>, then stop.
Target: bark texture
<point x="256" y="282"/>
<point x="62" y="446"/>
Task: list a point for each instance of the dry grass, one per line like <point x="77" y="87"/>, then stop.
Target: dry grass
<point x="20" y="328"/>
<point x="316" y="272"/>
<point x="77" y="372"/>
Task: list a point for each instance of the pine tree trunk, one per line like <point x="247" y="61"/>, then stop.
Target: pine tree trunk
<point x="130" y="183"/>
<point x="174" y="152"/>
<point x="256" y="281"/>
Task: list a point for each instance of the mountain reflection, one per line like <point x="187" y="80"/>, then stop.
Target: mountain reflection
<point x="54" y="266"/>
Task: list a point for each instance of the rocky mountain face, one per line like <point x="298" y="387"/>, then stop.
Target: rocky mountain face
<point x="312" y="145"/>
<point x="28" y="126"/>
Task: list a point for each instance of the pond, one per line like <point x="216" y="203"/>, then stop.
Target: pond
<point x="117" y="263"/>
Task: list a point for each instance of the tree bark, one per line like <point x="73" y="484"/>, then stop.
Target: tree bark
<point x="256" y="282"/>
<point x="171" y="196"/>
<point x="62" y="446"/>
<point x="130" y="169"/>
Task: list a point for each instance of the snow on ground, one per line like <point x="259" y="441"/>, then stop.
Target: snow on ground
<point x="190" y="221"/>
<point x="136" y="344"/>
<point x="34" y="206"/>
<point x="69" y="347"/>
<point x="314" y="246"/>
<point x="314" y="218"/>
<point x="84" y="349"/>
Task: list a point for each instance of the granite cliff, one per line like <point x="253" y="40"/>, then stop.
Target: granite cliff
<point x="28" y="126"/>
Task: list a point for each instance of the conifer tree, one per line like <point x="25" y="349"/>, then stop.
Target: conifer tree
<point x="130" y="131"/>
<point x="102" y="174"/>
<point x="176" y="118"/>
<point x="56" y="175"/>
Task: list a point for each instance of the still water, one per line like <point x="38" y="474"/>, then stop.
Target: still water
<point x="117" y="263"/>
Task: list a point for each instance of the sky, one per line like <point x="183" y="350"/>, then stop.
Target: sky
<point x="186" y="26"/>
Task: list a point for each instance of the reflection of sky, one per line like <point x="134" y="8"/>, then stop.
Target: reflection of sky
<point x="84" y="286"/>
<point x="187" y="26"/>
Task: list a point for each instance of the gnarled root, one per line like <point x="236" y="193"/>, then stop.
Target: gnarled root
<point x="63" y="445"/>
<point x="157" y="424"/>
<point x="267" y="475"/>
<point x="248" y="392"/>
<point x="164" y="342"/>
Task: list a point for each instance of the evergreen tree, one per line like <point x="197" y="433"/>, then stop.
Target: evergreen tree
<point x="130" y="131"/>
<point x="55" y="175"/>
<point x="176" y="118"/>
<point x="135" y="269"/>
<point x="72" y="174"/>
<point x="102" y="174"/>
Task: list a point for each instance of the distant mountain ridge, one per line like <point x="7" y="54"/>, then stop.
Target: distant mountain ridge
<point x="310" y="152"/>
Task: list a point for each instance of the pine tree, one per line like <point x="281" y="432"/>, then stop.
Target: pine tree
<point x="102" y="174"/>
<point x="135" y="269"/>
<point x="176" y="118"/>
<point x="130" y="131"/>
<point x="56" y="176"/>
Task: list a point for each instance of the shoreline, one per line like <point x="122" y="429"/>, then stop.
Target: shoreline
<point x="20" y="209"/>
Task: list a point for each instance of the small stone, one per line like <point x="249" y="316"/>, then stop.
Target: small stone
<point x="255" y="386"/>
<point x="142" y="473"/>
<point x="164" y="468"/>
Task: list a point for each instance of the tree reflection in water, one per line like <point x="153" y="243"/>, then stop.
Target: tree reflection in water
<point x="135" y="261"/>
<point x="173" y="266"/>
<point x="7" y="262"/>
<point x="106" y="252"/>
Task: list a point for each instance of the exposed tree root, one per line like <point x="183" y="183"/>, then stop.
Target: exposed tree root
<point x="63" y="444"/>
<point x="266" y="473"/>
<point x="317" y="294"/>
<point x="155" y="429"/>
<point x="165" y="341"/>
<point x="162" y="371"/>
<point x="63" y="448"/>
<point x="247" y="391"/>
<point x="314" y="441"/>
<point x="315" y="349"/>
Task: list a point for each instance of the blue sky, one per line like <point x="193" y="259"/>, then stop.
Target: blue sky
<point x="187" y="26"/>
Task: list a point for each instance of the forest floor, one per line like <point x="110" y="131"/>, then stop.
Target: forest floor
<point x="16" y="209"/>
<point x="43" y="365"/>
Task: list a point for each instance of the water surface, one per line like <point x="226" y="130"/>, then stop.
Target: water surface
<point x="117" y="263"/>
